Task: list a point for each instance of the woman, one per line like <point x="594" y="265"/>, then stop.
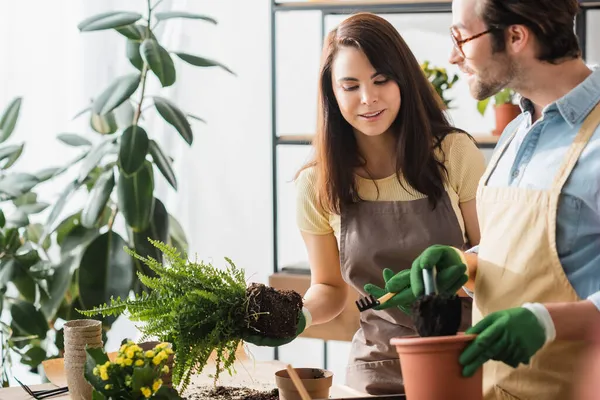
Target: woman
<point x="389" y="178"/>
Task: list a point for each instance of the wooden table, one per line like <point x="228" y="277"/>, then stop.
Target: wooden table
<point x="253" y="374"/>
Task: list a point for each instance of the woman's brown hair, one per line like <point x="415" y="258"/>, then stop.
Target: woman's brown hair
<point x="419" y="128"/>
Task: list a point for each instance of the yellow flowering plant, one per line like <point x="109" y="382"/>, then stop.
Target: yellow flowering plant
<point x="134" y="374"/>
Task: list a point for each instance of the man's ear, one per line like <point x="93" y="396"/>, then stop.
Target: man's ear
<point x="518" y="38"/>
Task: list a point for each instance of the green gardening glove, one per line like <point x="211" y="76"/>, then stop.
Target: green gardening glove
<point x="450" y="266"/>
<point x="259" y="340"/>
<point x="512" y="336"/>
<point x="394" y="283"/>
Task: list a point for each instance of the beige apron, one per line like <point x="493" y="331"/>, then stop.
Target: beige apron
<point x="388" y="234"/>
<point x="518" y="263"/>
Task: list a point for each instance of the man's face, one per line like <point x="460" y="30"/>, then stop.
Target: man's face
<point x="487" y="72"/>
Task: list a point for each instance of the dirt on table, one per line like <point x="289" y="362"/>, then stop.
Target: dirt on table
<point x="232" y="393"/>
<point x="277" y="310"/>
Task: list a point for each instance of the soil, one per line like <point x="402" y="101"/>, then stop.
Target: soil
<point x="232" y="393"/>
<point x="277" y="310"/>
<point x="437" y="315"/>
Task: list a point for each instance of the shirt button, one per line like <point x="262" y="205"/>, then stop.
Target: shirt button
<point x="515" y="173"/>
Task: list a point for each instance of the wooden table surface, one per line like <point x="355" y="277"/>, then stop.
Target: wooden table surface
<point x="253" y="374"/>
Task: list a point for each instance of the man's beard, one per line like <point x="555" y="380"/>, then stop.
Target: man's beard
<point x="492" y="82"/>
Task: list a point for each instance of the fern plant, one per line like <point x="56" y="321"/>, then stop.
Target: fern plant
<point x="193" y="305"/>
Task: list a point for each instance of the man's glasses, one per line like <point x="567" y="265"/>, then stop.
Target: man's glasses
<point x="458" y="43"/>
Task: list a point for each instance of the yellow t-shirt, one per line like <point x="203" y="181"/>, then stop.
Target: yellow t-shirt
<point x="463" y="160"/>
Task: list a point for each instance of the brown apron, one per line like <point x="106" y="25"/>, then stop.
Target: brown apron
<point x="518" y="263"/>
<point x="388" y="234"/>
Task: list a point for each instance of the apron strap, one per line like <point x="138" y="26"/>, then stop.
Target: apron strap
<point x="581" y="140"/>
<point x="496" y="157"/>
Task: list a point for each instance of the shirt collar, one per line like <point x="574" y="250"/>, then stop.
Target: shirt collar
<point x="575" y="105"/>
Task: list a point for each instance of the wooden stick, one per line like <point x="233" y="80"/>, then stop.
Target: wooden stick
<point x="298" y="383"/>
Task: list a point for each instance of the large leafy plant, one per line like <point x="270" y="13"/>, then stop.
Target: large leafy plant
<point x="116" y="171"/>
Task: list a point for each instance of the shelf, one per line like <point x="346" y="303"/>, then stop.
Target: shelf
<point x="484" y="141"/>
<point x="382" y="6"/>
<point x="379" y="6"/>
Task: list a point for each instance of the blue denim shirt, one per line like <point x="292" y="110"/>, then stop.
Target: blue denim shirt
<point x="532" y="159"/>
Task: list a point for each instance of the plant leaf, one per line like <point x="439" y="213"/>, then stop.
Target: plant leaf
<point x="201" y="61"/>
<point x="10" y="154"/>
<point x="98" y="198"/>
<point x="482" y="105"/>
<point x="29" y="320"/>
<point x="115" y="94"/>
<point x="104" y="124"/>
<point x="106" y="271"/>
<point x="34" y="208"/>
<point x="47" y="173"/>
<point x="132" y="50"/>
<point x="136" y="197"/>
<point x="58" y="207"/>
<point x="9" y="119"/>
<point x="80" y="113"/>
<point x="108" y="20"/>
<point x="58" y="284"/>
<point x="133" y="150"/>
<point x="34" y="356"/>
<point x="94" y="357"/>
<point x="73" y="139"/>
<point x="17" y="184"/>
<point x="34" y="232"/>
<point x="157" y="230"/>
<point x="18" y="219"/>
<point x="93" y="158"/>
<point x="163" y="164"/>
<point x="196" y="118"/>
<point x="177" y="235"/>
<point x="174" y="116"/>
<point x="182" y="14"/>
<point x="159" y="61"/>
<point x="133" y="31"/>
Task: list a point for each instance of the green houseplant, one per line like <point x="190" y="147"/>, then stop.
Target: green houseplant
<point x="203" y="310"/>
<point x="505" y="109"/>
<point x="440" y="80"/>
<point x="116" y="169"/>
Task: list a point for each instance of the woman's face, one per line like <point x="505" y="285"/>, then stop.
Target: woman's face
<point x="368" y="100"/>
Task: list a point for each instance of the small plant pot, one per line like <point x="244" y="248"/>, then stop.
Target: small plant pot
<point x="316" y="381"/>
<point x="79" y="334"/>
<point x="168" y="377"/>
<point x="431" y="370"/>
<point x="504" y="114"/>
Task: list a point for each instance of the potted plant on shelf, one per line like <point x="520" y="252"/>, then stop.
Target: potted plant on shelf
<point x="440" y="80"/>
<point x="203" y="310"/>
<point x="505" y="108"/>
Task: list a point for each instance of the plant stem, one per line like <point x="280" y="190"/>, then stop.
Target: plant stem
<point x="156" y="5"/>
<point x="111" y="221"/>
<point x="138" y="112"/>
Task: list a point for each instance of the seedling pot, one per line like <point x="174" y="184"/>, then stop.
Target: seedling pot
<point x="316" y="381"/>
<point x="431" y="370"/>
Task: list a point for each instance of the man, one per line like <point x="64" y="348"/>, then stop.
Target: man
<point x="536" y="276"/>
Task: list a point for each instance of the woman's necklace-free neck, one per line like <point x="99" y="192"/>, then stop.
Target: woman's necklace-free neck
<point x="377" y="154"/>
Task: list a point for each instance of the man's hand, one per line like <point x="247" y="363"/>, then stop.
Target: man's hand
<point x="450" y="265"/>
<point x="394" y="283"/>
<point x="259" y="340"/>
<point x="512" y="336"/>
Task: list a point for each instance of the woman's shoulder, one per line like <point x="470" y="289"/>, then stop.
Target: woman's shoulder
<point x="458" y="140"/>
<point x="307" y="176"/>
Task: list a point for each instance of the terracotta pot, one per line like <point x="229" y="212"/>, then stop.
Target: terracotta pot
<point x="504" y="114"/>
<point x="431" y="370"/>
<point x="168" y="377"/>
<point x="317" y="388"/>
<point x="79" y="334"/>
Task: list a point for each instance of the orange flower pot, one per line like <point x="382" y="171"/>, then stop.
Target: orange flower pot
<point x="431" y="370"/>
<point x="504" y="114"/>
